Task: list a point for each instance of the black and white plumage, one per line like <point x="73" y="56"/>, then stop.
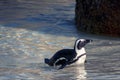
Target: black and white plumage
<point x="68" y="56"/>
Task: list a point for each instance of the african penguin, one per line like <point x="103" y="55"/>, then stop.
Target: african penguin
<point x="68" y="56"/>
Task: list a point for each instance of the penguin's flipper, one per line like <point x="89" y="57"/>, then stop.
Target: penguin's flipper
<point x="62" y="66"/>
<point x="62" y="62"/>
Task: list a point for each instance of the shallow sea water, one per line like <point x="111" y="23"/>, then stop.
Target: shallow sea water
<point x="31" y="30"/>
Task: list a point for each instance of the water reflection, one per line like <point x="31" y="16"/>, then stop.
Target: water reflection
<point x="69" y="73"/>
<point x="81" y="73"/>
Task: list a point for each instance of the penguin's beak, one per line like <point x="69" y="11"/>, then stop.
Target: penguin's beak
<point x="89" y="40"/>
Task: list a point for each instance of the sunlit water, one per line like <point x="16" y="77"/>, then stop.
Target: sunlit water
<point x="31" y="30"/>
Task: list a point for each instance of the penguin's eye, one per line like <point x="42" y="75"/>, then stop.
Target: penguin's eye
<point x="80" y="44"/>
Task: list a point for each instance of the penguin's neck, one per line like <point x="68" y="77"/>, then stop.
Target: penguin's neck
<point x="79" y="53"/>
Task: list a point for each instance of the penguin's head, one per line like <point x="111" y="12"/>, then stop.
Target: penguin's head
<point x="80" y="43"/>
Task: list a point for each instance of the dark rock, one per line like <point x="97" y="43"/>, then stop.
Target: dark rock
<point x="98" y="16"/>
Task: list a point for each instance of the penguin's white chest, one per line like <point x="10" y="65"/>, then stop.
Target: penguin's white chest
<point x="82" y="59"/>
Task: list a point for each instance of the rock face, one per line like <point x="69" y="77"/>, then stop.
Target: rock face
<point x="98" y="16"/>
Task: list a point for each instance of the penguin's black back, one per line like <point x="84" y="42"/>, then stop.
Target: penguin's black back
<point x="68" y="54"/>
